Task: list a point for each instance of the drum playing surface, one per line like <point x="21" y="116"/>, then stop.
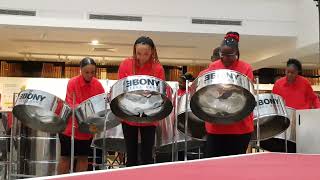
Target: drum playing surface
<point x="222" y="97"/>
<point x="141" y="99"/>
<point x="41" y="111"/>
<point x="196" y="126"/>
<point x="93" y="113"/>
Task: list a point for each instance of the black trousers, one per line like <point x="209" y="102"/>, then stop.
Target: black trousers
<point x="147" y="143"/>
<point x="226" y="144"/>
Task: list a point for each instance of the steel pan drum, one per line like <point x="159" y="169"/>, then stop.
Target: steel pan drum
<point x="4" y="145"/>
<point x="141" y="99"/>
<point x="222" y="96"/>
<point x="42" y="111"/>
<point x="4" y="134"/>
<point x="93" y="113"/>
<point x="196" y="126"/>
<point x="277" y="143"/>
<point x="114" y="140"/>
<point x="41" y="153"/>
<point x="273" y="116"/>
<point x="164" y="137"/>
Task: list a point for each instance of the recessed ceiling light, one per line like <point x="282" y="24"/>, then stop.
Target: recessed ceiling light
<point x="94" y="42"/>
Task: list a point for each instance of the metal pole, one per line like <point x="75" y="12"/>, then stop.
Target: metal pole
<point x="13" y="130"/>
<point x="72" y="134"/>
<point x="258" y="116"/>
<point x="11" y="147"/>
<point x="286" y="140"/>
<point x="104" y="145"/>
<point x="104" y="154"/>
<point x="174" y="129"/>
<point x="94" y="158"/>
<point x="186" y="123"/>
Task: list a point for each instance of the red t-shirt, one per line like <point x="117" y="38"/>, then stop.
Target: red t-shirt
<point x="149" y="68"/>
<point x="241" y="127"/>
<point x="298" y="95"/>
<point x="83" y="91"/>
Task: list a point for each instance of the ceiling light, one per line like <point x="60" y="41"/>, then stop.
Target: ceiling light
<point x="94" y="42"/>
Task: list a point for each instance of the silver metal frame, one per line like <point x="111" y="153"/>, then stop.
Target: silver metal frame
<point x="258" y="118"/>
<point x="72" y="133"/>
<point x="186" y="123"/>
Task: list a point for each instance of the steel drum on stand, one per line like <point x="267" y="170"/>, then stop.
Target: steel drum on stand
<point x="222" y="96"/>
<point x="165" y="141"/>
<point x="42" y="111"/>
<point x="141" y="99"/>
<point x="93" y="113"/>
<point x="4" y="145"/>
<point x="114" y="140"/>
<point x="272" y="115"/>
<point x="277" y="143"/>
<point x="196" y="126"/>
<point x="41" y="153"/>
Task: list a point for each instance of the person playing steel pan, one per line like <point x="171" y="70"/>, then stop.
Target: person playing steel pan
<point x="295" y="89"/>
<point x="82" y="87"/>
<point x="143" y="62"/>
<point x="182" y="83"/>
<point x="231" y="139"/>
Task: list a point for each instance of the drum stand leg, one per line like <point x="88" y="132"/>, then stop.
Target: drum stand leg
<point x="186" y="124"/>
<point x="13" y="130"/>
<point x="174" y="153"/>
<point x="72" y="133"/>
<point x="199" y="151"/>
<point x="286" y="141"/>
<point x="94" y="158"/>
<point x="174" y="143"/>
<point x="94" y="161"/>
<point x="258" y="135"/>
<point x="104" y="154"/>
<point x="258" y="119"/>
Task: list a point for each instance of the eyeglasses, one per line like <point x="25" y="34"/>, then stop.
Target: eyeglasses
<point x="227" y="55"/>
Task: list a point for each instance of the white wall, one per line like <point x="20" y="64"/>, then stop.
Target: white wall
<point x="276" y="10"/>
<point x="307" y="23"/>
<point x="260" y="17"/>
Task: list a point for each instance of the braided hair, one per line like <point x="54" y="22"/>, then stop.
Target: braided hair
<point x="145" y="41"/>
<point x="232" y="40"/>
<point x="87" y="61"/>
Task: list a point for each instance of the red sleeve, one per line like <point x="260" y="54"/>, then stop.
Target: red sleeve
<point x="70" y="91"/>
<point x="275" y="89"/>
<point x="122" y="71"/>
<point x="313" y="98"/>
<point x="249" y="73"/>
<point x="160" y="73"/>
<point x="100" y="88"/>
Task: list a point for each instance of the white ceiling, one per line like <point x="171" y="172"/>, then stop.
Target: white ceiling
<point x="67" y="44"/>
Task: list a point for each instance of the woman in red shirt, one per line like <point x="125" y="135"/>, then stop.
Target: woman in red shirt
<point x="143" y="62"/>
<point x="295" y="89"/>
<point x="81" y="87"/>
<point x="223" y="140"/>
